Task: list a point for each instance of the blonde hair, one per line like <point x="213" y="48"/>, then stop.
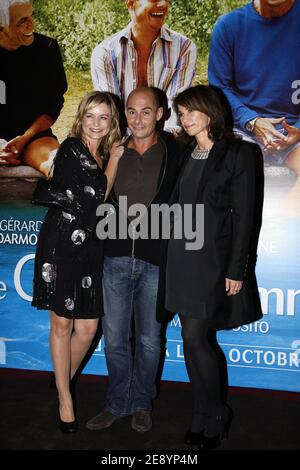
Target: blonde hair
<point x="90" y="100"/>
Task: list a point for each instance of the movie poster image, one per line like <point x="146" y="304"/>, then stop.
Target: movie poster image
<point x="82" y="45"/>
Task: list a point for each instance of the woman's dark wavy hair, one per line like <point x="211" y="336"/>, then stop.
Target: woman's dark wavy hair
<point x="212" y="102"/>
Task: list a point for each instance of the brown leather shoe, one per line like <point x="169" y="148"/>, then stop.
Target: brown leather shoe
<point x="102" y="421"/>
<point x="141" y="421"/>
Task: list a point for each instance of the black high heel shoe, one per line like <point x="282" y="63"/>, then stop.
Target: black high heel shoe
<point x="193" y="438"/>
<point x="67" y="427"/>
<point x="209" y="443"/>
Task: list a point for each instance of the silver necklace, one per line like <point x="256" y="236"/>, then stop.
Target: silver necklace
<point x="199" y="154"/>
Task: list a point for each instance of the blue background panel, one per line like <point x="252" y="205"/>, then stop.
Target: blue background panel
<point x="264" y="354"/>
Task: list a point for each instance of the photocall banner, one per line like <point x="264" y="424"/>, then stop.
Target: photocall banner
<point x="265" y="354"/>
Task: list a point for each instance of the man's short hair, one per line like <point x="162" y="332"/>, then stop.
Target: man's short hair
<point x="4" y="10"/>
<point x="147" y="90"/>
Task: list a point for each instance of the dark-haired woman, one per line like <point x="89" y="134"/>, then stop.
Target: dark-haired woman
<point x="211" y="288"/>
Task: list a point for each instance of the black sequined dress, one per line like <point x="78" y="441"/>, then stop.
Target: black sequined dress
<point x="69" y="256"/>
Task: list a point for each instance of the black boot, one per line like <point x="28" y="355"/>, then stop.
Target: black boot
<point x="221" y="423"/>
<point x="193" y="438"/>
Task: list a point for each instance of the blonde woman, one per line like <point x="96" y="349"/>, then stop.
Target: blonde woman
<point x="68" y="273"/>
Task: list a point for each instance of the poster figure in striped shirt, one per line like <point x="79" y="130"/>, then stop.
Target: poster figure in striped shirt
<point x="145" y="53"/>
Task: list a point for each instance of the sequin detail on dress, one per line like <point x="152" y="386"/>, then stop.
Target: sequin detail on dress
<point x="86" y="163"/>
<point x="89" y="190"/>
<point x="68" y="216"/>
<point x="69" y="304"/>
<point x="48" y="272"/>
<point x="78" y="237"/>
<point x="86" y="282"/>
<point x="70" y="194"/>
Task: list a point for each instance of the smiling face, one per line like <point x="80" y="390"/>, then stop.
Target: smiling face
<point x="273" y="8"/>
<point x="142" y="113"/>
<point x="21" y="27"/>
<point x="275" y="3"/>
<point x="193" y="122"/>
<point x="96" y="122"/>
<point x="150" y="14"/>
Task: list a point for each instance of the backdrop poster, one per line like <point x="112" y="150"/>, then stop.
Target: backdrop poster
<point x="265" y="354"/>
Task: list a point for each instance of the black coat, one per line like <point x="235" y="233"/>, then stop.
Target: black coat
<point x="231" y="189"/>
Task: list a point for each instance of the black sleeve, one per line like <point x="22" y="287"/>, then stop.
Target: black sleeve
<point x="81" y="180"/>
<point x="243" y="196"/>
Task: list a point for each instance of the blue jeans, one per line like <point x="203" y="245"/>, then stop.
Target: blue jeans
<point x="130" y="291"/>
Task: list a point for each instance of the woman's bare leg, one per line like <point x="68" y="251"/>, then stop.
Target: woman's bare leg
<point x="81" y="340"/>
<point x="60" y="348"/>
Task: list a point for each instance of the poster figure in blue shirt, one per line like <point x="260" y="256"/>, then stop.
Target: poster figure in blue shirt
<point x="254" y="59"/>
